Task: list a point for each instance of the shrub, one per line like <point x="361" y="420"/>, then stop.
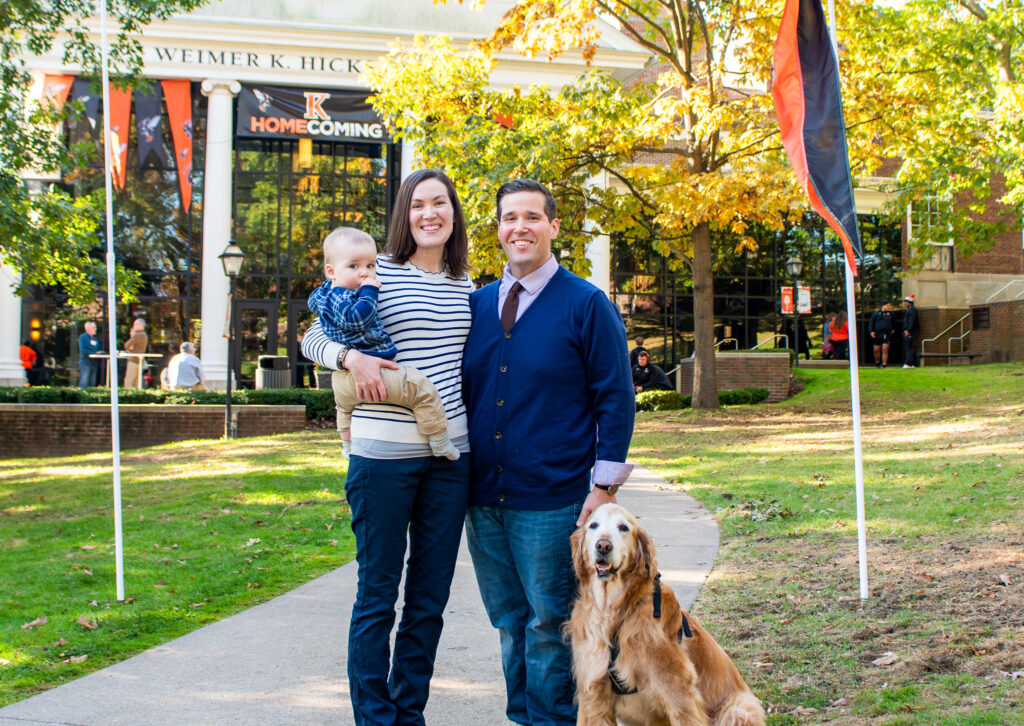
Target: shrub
<point x="51" y="394"/>
<point x="661" y="401"/>
<point x="736" y="397"/>
<point x="9" y="394"/>
<point x="196" y="397"/>
<point x="760" y="394"/>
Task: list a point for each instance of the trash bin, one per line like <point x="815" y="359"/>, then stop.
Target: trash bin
<point x="272" y="371"/>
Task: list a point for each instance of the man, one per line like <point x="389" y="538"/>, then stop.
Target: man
<point x="880" y="329"/>
<point x="547" y="384"/>
<point x="647" y="376"/>
<point x="911" y="332"/>
<point x="136" y="344"/>
<point x="635" y="353"/>
<point x="88" y="344"/>
<point x="185" y="370"/>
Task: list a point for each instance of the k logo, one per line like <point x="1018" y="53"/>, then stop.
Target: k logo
<point x="314" y="105"/>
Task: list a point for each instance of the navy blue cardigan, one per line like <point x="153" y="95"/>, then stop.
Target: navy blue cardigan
<point x="548" y="398"/>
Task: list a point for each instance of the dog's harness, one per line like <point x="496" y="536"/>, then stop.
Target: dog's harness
<point x="618" y="687"/>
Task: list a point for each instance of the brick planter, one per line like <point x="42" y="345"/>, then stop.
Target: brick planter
<point x="744" y="370"/>
<point x="50" y="429"/>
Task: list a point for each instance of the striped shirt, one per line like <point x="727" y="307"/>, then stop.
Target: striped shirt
<point x="427" y="316"/>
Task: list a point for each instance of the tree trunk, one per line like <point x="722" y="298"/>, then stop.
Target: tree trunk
<point x="705" y="376"/>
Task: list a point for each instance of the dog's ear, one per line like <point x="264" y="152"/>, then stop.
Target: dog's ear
<point x="579" y="554"/>
<point x="645" y="561"/>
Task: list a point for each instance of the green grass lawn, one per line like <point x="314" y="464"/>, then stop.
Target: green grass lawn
<point x="210" y="528"/>
<point x="214" y="527"/>
<point x="942" y="635"/>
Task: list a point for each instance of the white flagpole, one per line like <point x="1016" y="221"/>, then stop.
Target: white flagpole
<point x="851" y="320"/>
<point x="115" y="421"/>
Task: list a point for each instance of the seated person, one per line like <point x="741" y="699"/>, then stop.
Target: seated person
<point x="185" y="370"/>
<point x="347" y="305"/>
<point x="647" y="376"/>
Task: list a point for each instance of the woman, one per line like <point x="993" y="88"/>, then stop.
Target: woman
<point x="136" y="344"/>
<point x="394" y="485"/>
<point x="841" y="336"/>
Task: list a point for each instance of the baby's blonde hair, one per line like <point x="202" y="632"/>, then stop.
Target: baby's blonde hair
<point x="344" y="235"/>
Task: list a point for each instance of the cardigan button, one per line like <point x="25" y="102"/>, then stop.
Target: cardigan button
<point x="497" y="435"/>
<point x="508" y="333"/>
<point x="503" y="369"/>
<point x="501" y="497"/>
<point x="501" y="402"/>
<point x="500" y="468"/>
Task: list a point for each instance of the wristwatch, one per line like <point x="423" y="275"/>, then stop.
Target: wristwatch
<point x="341" y="358"/>
<point x="608" y="488"/>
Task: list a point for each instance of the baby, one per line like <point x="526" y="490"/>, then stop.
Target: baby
<point x="347" y="306"/>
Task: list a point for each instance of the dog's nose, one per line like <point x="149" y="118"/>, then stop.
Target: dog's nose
<point x="603" y="546"/>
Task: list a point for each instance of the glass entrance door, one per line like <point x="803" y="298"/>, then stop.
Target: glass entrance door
<point x="256" y="334"/>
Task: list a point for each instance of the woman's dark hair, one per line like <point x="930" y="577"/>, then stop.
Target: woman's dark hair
<point x="401" y="245"/>
<point x="527" y="185"/>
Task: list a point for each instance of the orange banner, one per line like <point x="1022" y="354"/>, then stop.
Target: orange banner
<point x="120" y="116"/>
<point x="55" y="93"/>
<point x="178" y="97"/>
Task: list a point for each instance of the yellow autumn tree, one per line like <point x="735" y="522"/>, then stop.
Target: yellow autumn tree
<point x="692" y="151"/>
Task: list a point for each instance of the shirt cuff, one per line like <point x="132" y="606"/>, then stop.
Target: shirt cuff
<point x="331" y="351"/>
<point x="612" y="473"/>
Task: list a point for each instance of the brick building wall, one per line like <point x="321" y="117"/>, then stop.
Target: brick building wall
<point x="43" y="429"/>
<point x="1003" y="339"/>
<point x="1006" y="255"/>
<point x="745" y="370"/>
<point x="935" y="321"/>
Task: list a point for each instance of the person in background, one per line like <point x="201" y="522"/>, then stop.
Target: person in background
<point x="88" y="344"/>
<point x="911" y="332"/>
<point x="828" y="351"/>
<point x="136" y="344"/>
<point x="647" y="376"/>
<point x="633" y="354"/>
<point x="185" y="370"/>
<point x="28" y="359"/>
<point x="840" y="336"/>
<point x="880" y="328"/>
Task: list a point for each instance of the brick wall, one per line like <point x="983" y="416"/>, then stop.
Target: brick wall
<point x="43" y="429"/>
<point x="745" y="370"/>
<point x="1003" y="340"/>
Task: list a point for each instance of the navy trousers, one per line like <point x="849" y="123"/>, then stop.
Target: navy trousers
<point x="424" y="498"/>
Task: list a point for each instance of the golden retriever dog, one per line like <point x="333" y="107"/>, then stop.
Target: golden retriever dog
<point x="640" y="659"/>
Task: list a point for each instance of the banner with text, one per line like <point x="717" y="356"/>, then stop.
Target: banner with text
<point x="280" y="112"/>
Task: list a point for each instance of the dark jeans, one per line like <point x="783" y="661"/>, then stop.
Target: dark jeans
<point x="910" y="356"/>
<point x="424" y="498"/>
<point x="842" y="348"/>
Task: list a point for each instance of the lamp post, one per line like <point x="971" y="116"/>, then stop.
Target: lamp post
<point x="794" y="266"/>
<point x="231" y="258"/>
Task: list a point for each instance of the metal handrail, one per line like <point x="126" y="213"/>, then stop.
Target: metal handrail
<point x="726" y="340"/>
<point x="1011" y="282"/>
<point x="949" y="342"/>
<point x="775" y="337"/>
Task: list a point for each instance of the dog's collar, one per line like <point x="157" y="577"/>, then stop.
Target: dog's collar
<point x="618" y="687"/>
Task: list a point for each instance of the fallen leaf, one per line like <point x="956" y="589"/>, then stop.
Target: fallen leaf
<point x="923" y="577"/>
<point x="803" y="711"/>
<point x="129" y="601"/>
<point x="78" y="658"/>
<point x="887" y="658"/>
<point x="844" y="701"/>
<point x="159" y="583"/>
<point x="1012" y="676"/>
<point x="196" y="605"/>
<point x="1005" y="579"/>
<point x="94" y="604"/>
<point x="88" y="547"/>
<point x="86" y="622"/>
<point x="59" y="643"/>
<point x="4" y="662"/>
<point x="34" y="623"/>
<point x="959" y="519"/>
<point x="758" y="664"/>
<point x="251" y="542"/>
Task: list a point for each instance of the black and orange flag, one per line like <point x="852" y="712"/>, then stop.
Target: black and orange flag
<point x="120" y="112"/>
<point x="809" y="106"/>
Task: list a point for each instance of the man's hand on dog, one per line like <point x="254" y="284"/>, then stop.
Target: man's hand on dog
<point x="595" y="499"/>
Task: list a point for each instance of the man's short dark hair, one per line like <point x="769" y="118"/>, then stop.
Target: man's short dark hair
<point x="528" y="185"/>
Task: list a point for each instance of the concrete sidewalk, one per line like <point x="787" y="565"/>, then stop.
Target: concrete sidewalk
<point x="283" y="663"/>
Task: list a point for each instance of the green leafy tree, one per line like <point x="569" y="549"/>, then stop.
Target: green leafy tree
<point x="47" y="236"/>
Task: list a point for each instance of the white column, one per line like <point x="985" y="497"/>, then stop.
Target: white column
<point x="409" y="161"/>
<point x="213" y="346"/>
<point x="11" y="372"/>
<point x="599" y="250"/>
